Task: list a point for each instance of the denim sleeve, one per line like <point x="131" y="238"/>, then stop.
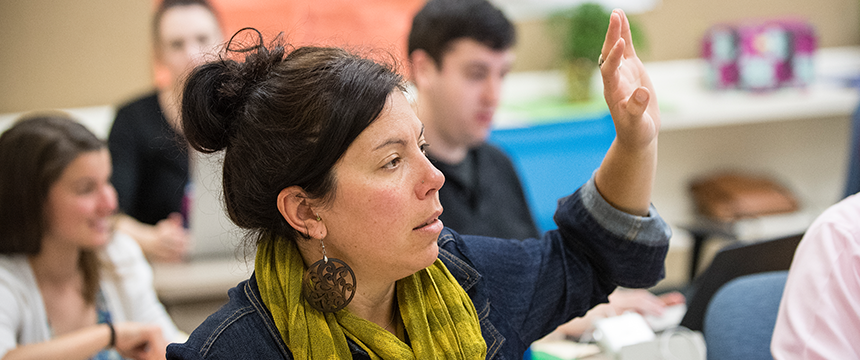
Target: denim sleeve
<point x="534" y="285"/>
<point x="650" y="229"/>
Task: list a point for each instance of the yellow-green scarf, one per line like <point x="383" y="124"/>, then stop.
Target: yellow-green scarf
<point x="438" y="316"/>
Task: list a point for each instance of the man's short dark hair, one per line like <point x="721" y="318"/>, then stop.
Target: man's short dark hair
<point x="441" y="22"/>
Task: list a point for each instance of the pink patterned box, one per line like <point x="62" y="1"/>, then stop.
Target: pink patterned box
<point x="761" y="56"/>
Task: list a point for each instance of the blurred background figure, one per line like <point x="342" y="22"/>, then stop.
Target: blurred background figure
<point x="70" y="286"/>
<point x="150" y="156"/>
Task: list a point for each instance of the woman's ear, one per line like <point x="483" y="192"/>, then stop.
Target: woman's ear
<point x="295" y="206"/>
<point x="423" y="66"/>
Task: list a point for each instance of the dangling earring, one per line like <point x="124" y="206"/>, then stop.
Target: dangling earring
<point x="328" y="285"/>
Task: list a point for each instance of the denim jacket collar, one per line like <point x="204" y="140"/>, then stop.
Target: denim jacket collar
<point x="469" y="279"/>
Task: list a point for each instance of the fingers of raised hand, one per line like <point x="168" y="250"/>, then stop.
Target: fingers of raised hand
<point x="625" y="33"/>
<point x="613" y="33"/>
<point x="613" y="59"/>
<point x="638" y="101"/>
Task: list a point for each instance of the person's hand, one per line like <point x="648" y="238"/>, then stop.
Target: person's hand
<point x="169" y="241"/>
<point x="627" y="88"/>
<point x="621" y="301"/>
<point x="140" y="341"/>
<point x="626" y="177"/>
<point x="642" y="301"/>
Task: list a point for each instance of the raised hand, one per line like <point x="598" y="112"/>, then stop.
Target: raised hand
<point x="627" y="174"/>
<point x="626" y="86"/>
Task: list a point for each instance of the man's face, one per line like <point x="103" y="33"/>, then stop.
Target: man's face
<point x="464" y="91"/>
<point x="186" y="36"/>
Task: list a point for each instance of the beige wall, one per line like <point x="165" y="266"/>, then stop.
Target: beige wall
<point x="674" y="29"/>
<point x="75" y="53"/>
<point x="72" y="53"/>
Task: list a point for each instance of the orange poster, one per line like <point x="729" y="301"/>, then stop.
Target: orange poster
<point x="381" y="26"/>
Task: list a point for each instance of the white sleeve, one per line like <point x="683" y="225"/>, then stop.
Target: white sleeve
<point x="10" y="318"/>
<point x="22" y="311"/>
<point x="135" y="287"/>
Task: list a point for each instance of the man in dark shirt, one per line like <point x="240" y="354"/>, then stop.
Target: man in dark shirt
<point x="460" y="51"/>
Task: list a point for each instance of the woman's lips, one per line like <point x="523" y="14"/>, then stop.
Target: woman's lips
<point x="434" y="226"/>
<point x="432" y="223"/>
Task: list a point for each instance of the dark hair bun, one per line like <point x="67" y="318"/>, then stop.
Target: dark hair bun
<point x="215" y="93"/>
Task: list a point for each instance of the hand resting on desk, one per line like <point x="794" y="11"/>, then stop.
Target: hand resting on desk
<point x="621" y="301"/>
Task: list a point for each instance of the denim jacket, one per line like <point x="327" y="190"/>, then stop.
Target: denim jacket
<point x="522" y="290"/>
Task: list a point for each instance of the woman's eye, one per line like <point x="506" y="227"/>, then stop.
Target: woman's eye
<point x="85" y="188"/>
<point x="393" y="163"/>
<point x="423" y="148"/>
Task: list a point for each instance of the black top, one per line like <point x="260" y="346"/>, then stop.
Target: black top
<point x="482" y="195"/>
<point x="150" y="161"/>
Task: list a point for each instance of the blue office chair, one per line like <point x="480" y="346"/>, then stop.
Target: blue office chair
<point x="554" y="159"/>
<point x="741" y="316"/>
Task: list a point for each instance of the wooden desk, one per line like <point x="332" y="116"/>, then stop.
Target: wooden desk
<point x="192" y="290"/>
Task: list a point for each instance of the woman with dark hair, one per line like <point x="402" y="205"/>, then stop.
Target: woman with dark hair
<point x="150" y="157"/>
<point x="324" y="165"/>
<point x="70" y="287"/>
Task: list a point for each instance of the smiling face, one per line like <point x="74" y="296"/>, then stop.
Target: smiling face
<point x="462" y="95"/>
<point x="384" y="216"/>
<point x="80" y="203"/>
<point x="185" y="35"/>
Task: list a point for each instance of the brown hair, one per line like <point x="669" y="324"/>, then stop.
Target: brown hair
<point x="284" y="118"/>
<point x="34" y="153"/>
<point x="441" y="22"/>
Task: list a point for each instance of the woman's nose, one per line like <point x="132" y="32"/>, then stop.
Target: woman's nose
<point x="431" y="182"/>
<point x="108" y="199"/>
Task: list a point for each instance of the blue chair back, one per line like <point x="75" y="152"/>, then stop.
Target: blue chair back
<point x="554" y="160"/>
<point x="740" y="318"/>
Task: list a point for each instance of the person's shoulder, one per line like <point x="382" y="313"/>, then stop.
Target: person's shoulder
<point x="490" y="153"/>
<point x="838" y="225"/>
<point x="489" y="149"/>
<point x="17" y="281"/>
<point x="844" y="214"/>
<point x="14" y="270"/>
<point x="145" y="106"/>
<point x="143" y="101"/>
<point x="134" y="120"/>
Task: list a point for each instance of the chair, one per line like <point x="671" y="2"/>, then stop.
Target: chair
<point x="554" y="159"/>
<point x="740" y="318"/>
<point x="734" y="261"/>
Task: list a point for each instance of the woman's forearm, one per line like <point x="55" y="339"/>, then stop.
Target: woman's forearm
<point x="80" y="344"/>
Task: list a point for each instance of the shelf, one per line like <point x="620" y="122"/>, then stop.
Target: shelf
<point x="533" y="98"/>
